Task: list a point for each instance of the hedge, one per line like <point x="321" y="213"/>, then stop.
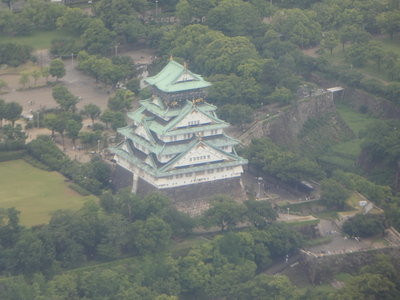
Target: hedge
<point x="79" y="189"/>
<point x="34" y="162"/>
<point x="12" y="155"/>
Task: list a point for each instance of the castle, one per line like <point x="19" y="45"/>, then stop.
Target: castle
<point x="177" y="145"/>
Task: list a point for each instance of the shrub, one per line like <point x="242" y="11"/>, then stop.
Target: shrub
<point x="34" y="162"/>
<point x="79" y="189"/>
<point x="11" y="155"/>
<point x="98" y="126"/>
<point x="363" y="226"/>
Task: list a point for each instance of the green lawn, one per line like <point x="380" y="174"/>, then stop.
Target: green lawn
<point x="35" y="192"/>
<point x="370" y="68"/>
<point x="39" y="39"/>
<point x="356" y="121"/>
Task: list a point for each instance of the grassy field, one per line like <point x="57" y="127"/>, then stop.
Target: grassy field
<point x="35" y="192"/>
<point x="39" y="39"/>
<point x="370" y="68"/>
<point x="345" y="154"/>
<point x="356" y="121"/>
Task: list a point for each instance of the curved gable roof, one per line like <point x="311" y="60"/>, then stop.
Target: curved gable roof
<point x="176" y="78"/>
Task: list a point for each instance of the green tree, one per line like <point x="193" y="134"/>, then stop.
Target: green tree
<point x="92" y="111"/>
<point x="178" y="221"/>
<point x="133" y="85"/>
<point x="72" y="130"/>
<point x="382" y="265"/>
<point x="224" y="212"/>
<point x="236" y="115"/>
<point x="357" y="55"/>
<point x="57" y="68"/>
<point x="389" y="22"/>
<point x="64" y="98"/>
<point x="6" y="19"/>
<point x="89" y="138"/>
<point x="333" y="193"/>
<point x="118" y="121"/>
<point x="367" y="285"/>
<point x="35" y="75"/>
<point x="130" y="27"/>
<point x="152" y="235"/>
<point x="376" y="52"/>
<point x="298" y="26"/>
<point x="3" y="84"/>
<point x="2" y="111"/>
<point x="363" y="226"/>
<point x="75" y="20"/>
<point x="9" y="3"/>
<point x="12" y="112"/>
<point x="330" y="40"/>
<point x="97" y="38"/>
<point x="281" y="95"/>
<point x="121" y="101"/>
<point x="60" y="124"/>
<point x="183" y="12"/>
<point x="115" y="235"/>
<point x="225" y="55"/>
<point x="46" y="73"/>
<point x="265" y="287"/>
<point x="24" y="78"/>
<point x="235" y="18"/>
<point x="195" y="275"/>
<point x="260" y="213"/>
<point x="27" y="254"/>
<point x="50" y="121"/>
<point x="107" y="116"/>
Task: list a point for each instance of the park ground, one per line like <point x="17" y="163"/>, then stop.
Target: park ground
<point x="35" y="192"/>
<point x="78" y="83"/>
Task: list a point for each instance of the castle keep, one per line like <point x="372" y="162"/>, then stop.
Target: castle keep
<point x="177" y="145"/>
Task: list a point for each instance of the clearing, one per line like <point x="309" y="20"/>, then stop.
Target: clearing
<point x="35" y="192"/>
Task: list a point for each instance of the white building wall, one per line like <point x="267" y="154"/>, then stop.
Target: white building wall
<point x="182" y="179"/>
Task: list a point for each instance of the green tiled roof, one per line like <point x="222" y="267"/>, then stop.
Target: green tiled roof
<point x="162" y="173"/>
<point x="169" y="112"/>
<point x="176" y="78"/>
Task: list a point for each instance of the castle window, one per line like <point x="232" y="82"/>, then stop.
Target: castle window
<point x="189" y="174"/>
<point x="220" y="170"/>
<point x="192" y="123"/>
<point x="210" y="171"/>
<point x="179" y="176"/>
<point x="172" y="138"/>
<point x="170" y="177"/>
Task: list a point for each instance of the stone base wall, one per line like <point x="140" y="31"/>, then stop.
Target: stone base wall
<point x="355" y="99"/>
<point x="121" y="178"/>
<point x="193" y="199"/>
<point x="321" y="270"/>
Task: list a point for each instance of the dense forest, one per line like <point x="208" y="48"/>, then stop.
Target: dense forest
<point x="252" y="52"/>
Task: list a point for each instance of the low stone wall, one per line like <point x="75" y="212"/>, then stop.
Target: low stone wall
<point x="193" y="199"/>
<point x="321" y="270"/>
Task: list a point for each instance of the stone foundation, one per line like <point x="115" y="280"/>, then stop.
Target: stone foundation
<point x="321" y="270"/>
<point x="193" y="199"/>
<point x="121" y="178"/>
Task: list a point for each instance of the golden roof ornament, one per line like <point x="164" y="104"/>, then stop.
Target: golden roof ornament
<point x="171" y="57"/>
<point x="185" y="65"/>
<point x="199" y="135"/>
<point x="143" y="116"/>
